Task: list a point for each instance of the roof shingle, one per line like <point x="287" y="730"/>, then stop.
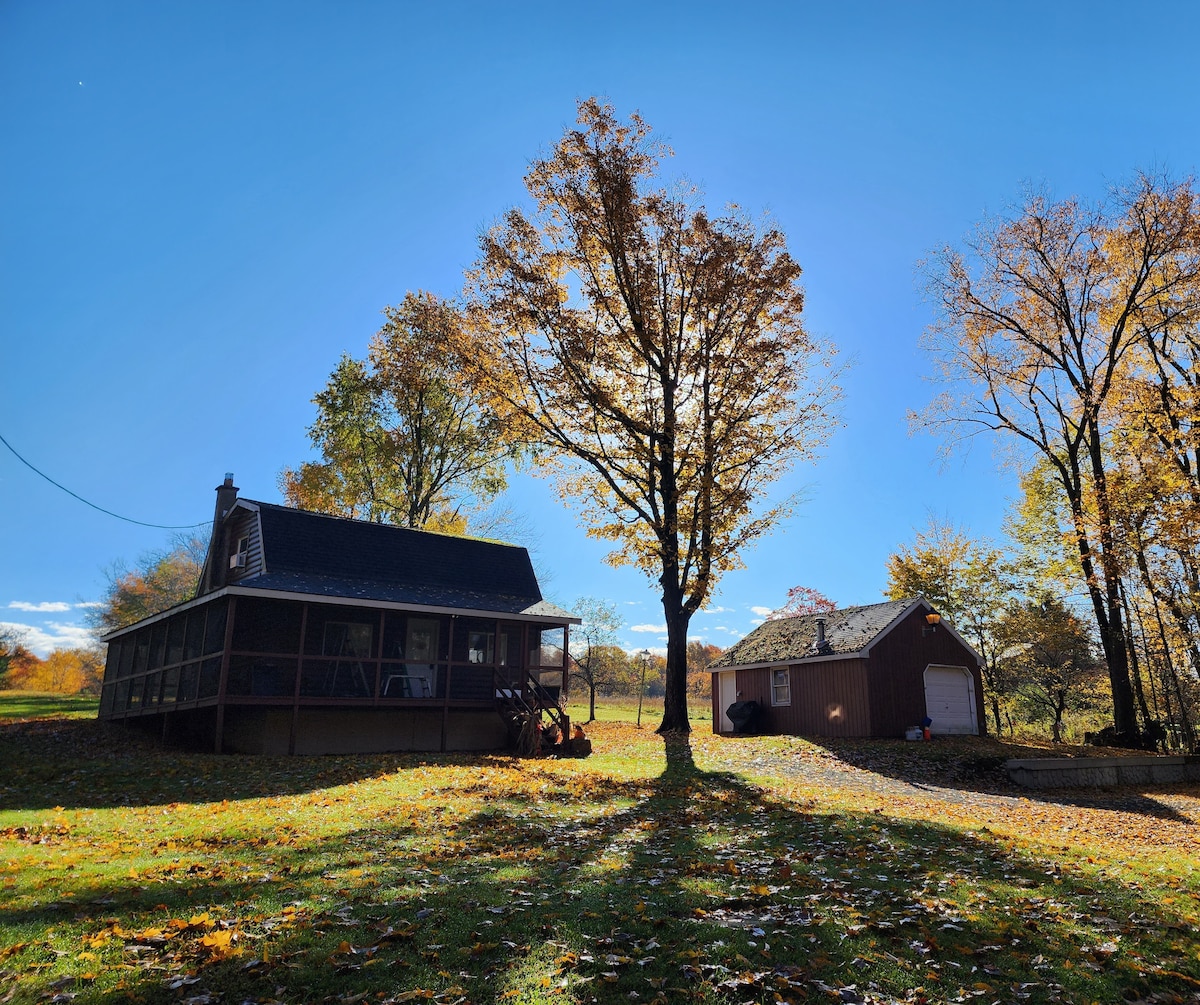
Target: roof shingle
<point x="787" y="640"/>
<point x="312" y="553"/>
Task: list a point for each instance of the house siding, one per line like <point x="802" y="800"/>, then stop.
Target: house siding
<point x="871" y="684"/>
<point x="896" y="674"/>
<point x="827" y="699"/>
<point x="245" y="524"/>
<point x="356" y="731"/>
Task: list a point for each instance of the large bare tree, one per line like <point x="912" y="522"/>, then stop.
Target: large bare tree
<point x="1039" y="317"/>
<point x="656" y="354"/>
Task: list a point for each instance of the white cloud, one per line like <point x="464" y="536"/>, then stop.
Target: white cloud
<point x="647" y="628"/>
<point x="91" y="603"/>
<point x="45" y="607"/>
<point x="716" y="610"/>
<point x="762" y="612"/>
<point x="43" y="639"/>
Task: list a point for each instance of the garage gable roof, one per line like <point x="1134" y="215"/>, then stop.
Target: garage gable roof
<point x="849" y="632"/>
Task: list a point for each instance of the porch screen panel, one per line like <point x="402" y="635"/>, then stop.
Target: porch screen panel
<point x="261" y="676"/>
<point x="193" y="636"/>
<point x="141" y="647"/>
<point x="351" y="631"/>
<point x="126" y="667"/>
<point x="472" y="682"/>
<point x="546" y="648"/>
<point x="189" y="679"/>
<point x="418" y="641"/>
<point x="170" y="686"/>
<point x="158" y="645"/>
<point x="265" y="626"/>
<point x="112" y="662"/>
<point x="175" y="630"/>
<point x="210" y="678"/>
<point x="214" y="628"/>
<point x="474" y="642"/>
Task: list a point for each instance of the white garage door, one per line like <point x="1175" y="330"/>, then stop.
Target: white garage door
<point x="950" y="700"/>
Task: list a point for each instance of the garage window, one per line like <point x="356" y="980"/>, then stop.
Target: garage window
<point x="781" y="687"/>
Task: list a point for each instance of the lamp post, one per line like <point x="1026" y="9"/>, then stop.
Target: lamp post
<point x="644" y="656"/>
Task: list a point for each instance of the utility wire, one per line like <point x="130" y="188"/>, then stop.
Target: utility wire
<point x="107" y="512"/>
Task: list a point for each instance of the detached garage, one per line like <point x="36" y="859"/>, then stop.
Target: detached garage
<point x="863" y="671"/>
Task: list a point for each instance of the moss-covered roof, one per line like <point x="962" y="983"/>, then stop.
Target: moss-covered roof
<point x="785" y="640"/>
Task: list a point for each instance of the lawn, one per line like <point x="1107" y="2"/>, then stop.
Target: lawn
<point x="718" y="871"/>
<point x="38" y="704"/>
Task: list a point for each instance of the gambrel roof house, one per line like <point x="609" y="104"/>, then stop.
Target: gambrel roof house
<point x="862" y="671"/>
<point x="312" y="634"/>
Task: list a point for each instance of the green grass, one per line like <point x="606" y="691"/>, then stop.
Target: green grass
<point x="624" y="708"/>
<point x="715" y="871"/>
<point x="40" y="704"/>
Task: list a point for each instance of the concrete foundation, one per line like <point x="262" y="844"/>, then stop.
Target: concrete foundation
<point x="1076" y="772"/>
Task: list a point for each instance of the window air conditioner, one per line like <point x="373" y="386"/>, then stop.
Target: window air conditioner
<point x="237" y="561"/>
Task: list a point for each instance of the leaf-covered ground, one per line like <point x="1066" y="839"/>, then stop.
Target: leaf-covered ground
<point x="752" y="870"/>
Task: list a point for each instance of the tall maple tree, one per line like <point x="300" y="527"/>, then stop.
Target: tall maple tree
<point x="656" y="355"/>
<point x="1037" y="320"/>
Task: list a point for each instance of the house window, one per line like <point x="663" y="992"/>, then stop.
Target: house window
<point x="238" y="557"/>
<point x="781" y="687"/>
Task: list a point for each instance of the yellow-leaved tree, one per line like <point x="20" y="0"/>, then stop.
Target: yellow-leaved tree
<point x="1041" y="317"/>
<point x="404" y="439"/>
<point x="655" y="356"/>
<point x="64" y="671"/>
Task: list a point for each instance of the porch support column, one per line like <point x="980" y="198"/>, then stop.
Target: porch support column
<point x="299" y="675"/>
<point x="219" y="732"/>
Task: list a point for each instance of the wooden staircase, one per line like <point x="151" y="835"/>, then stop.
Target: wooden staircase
<point x="522" y="705"/>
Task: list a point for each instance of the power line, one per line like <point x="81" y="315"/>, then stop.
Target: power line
<point x="76" y="495"/>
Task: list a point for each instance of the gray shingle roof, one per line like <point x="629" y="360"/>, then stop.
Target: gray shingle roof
<point x="787" y="640"/>
<point x="328" y="556"/>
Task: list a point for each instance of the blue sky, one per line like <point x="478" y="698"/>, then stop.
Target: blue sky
<point x="202" y="205"/>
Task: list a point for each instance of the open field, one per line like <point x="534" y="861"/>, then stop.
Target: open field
<point x="36" y="704"/>
<point x="752" y="870"/>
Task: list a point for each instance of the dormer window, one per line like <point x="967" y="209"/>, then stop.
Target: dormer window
<point x="237" y="557"/>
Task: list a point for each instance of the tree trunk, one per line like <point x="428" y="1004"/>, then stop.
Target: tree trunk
<point x="1106" y="604"/>
<point x="996" y="715"/>
<point x="675" y="714"/>
<point x="1116" y="653"/>
<point x="1135" y="667"/>
<point x="1060" y="703"/>
<point x="591" y="701"/>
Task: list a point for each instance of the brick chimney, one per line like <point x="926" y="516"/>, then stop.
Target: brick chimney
<point x="226" y="497"/>
<point x="214" y="572"/>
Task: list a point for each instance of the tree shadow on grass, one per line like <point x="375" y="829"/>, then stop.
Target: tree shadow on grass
<point x="690" y="886"/>
<point x="82" y="764"/>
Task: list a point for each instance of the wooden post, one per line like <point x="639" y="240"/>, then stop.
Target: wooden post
<point x="230" y="615"/>
<point x="299" y="675"/>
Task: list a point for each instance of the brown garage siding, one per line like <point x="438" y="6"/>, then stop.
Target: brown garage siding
<point x="829" y="698"/>
<point x="897" y="673"/>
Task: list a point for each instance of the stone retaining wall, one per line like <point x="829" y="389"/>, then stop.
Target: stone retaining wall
<point x="1073" y="772"/>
